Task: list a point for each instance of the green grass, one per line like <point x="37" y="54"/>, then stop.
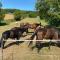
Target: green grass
<point x="43" y="22"/>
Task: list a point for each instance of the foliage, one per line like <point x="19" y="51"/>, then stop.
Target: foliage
<point x="1" y="13"/>
<point x="49" y="10"/>
<point x="2" y="23"/>
<point x="32" y="14"/>
<point x="54" y="20"/>
<point x="17" y="15"/>
<point x="42" y="8"/>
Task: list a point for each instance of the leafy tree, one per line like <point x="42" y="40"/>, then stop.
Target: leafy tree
<point x="1" y="16"/>
<point x="54" y="19"/>
<point x="32" y="14"/>
<point x="42" y="8"/>
<point x="17" y="15"/>
<point x="48" y="9"/>
<point x="1" y="13"/>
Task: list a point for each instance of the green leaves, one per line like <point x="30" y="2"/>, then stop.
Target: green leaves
<point x="42" y="8"/>
<point x="49" y="10"/>
<point x="17" y="15"/>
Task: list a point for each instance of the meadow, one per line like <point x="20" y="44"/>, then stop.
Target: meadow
<point x="22" y="51"/>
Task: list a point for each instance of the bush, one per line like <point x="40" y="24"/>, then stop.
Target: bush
<point x="2" y="23"/>
<point x="54" y="20"/>
<point x="32" y="15"/>
<point x="17" y="15"/>
<point x="2" y="19"/>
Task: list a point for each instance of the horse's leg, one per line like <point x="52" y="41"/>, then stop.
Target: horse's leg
<point x="17" y="42"/>
<point x="39" y="45"/>
<point x="39" y="37"/>
<point x="18" y="37"/>
<point x="31" y="38"/>
<point x="27" y="31"/>
<point x="2" y="41"/>
<point x="30" y="43"/>
<point x="49" y="43"/>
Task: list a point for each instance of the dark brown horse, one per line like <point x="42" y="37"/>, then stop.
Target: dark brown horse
<point x="14" y="33"/>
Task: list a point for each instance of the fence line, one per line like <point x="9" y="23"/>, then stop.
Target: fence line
<point x="35" y="40"/>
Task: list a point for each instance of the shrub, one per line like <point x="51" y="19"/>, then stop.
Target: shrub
<point x="54" y="20"/>
<point x="17" y="15"/>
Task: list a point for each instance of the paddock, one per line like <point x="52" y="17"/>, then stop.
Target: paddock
<point x="22" y="51"/>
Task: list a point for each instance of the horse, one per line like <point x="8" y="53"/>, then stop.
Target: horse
<point x="25" y="26"/>
<point x="44" y="33"/>
<point x="14" y="33"/>
<point x="58" y="32"/>
<point x="39" y="32"/>
<point x="34" y="26"/>
<point x="52" y="32"/>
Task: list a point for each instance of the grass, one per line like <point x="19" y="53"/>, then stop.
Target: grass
<point x="22" y="52"/>
<point x="43" y="22"/>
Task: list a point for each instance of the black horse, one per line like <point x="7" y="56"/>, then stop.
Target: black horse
<point x="14" y="33"/>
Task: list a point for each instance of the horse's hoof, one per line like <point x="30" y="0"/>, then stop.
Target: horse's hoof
<point x="17" y="43"/>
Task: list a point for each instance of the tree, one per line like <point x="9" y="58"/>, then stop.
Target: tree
<point x="17" y="15"/>
<point x="48" y="10"/>
<point x="42" y="8"/>
<point x="32" y="14"/>
<point x="1" y="13"/>
<point x="1" y="16"/>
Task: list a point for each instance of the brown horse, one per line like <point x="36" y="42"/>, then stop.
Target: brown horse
<point x="58" y="32"/>
<point x="47" y="32"/>
<point x="52" y="33"/>
<point x="31" y="26"/>
<point x="34" y="25"/>
<point x="39" y="33"/>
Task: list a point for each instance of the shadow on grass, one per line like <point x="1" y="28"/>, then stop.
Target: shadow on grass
<point x="3" y="24"/>
<point x="42" y="45"/>
<point x="13" y="43"/>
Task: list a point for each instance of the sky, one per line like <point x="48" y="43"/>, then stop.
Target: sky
<point x="19" y="4"/>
